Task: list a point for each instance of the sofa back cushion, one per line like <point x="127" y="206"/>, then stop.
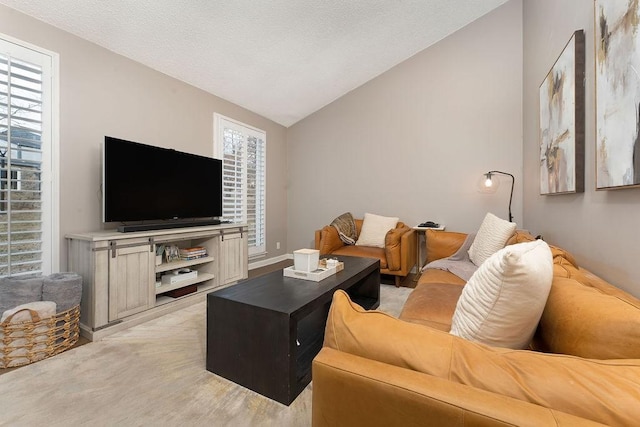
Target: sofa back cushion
<point x="441" y="244"/>
<point x="588" y="318"/>
<point x="520" y="236"/>
<point x="604" y="391"/>
<point x="432" y="304"/>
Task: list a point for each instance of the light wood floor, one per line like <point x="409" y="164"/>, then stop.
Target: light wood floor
<point x="150" y="374"/>
<point x="407" y="282"/>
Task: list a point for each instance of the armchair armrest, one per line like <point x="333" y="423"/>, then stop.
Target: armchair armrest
<point x="400" y="249"/>
<point x="327" y="240"/>
<point x="352" y="390"/>
<point x="441" y="244"/>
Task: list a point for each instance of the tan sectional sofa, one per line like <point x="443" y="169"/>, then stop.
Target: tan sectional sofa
<point x="582" y="368"/>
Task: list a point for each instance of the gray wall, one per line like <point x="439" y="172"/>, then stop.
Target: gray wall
<point x="600" y="228"/>
<point x="102" y="93"/>
<point x="414" y="141"/>
<point x="410" y="143"/>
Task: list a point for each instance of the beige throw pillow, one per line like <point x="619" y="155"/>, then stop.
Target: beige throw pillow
<point x="45" y="309"/>
<point x="374" y="230"/>
<point x="502" y="302"/>
<point x="491" y="237"/>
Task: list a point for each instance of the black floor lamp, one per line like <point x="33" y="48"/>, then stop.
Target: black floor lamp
<point x="491" y="186"/>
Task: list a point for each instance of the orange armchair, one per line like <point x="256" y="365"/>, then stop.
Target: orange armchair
<point x="397" y="258"/>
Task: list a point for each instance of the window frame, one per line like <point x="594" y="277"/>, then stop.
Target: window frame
<point x="218" y="147"/>
<point x="50" y="179"/>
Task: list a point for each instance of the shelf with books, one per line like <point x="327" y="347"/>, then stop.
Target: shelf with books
<point x="192" y="253"/>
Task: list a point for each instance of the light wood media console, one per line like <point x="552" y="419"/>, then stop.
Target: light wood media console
<point x="119" y="272"/>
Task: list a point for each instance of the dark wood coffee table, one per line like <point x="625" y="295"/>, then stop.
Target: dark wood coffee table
<point x="264" y="332"/>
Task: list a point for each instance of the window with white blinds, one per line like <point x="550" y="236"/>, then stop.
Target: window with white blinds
<point x="242" y="149"/>
<point x="27" y="229"/>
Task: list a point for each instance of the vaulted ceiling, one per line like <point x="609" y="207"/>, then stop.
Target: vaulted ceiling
<point x="283" y="59"/>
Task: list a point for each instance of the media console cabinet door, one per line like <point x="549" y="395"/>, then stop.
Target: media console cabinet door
<point x="233" y="256"/>
<point x="131" y="281"/>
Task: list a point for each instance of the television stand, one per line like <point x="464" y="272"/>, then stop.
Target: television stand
<point x="129" y="228"/>
<point x="122" y="277"/>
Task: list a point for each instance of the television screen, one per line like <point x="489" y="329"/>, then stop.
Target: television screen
<point x="142" y="182"/>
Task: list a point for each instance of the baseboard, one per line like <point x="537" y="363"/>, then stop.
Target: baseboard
<point x="269" y="261"/>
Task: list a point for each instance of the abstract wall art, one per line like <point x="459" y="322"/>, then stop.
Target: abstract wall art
<point x="617" y="51"/>
<point x="562" y="121"/>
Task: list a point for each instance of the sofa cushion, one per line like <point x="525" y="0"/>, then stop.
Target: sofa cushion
<point x="603" y="391"/>
<point x="434" y="275"/>
<point x="365" y="252"/>
<point x="504" y="299"/>
<point x="588" y="322"/>
<point x="432" y="304"/>
<point x="492" y="236"/>
<point x="374" y="230"/>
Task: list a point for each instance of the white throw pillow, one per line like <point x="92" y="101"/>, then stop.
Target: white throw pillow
<point x="492" y="236"/>
<point x="374" y="230"/>
<point x="502" y="302"/>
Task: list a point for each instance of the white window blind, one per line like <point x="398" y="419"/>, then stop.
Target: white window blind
<point x="242" y="149"/>
<point x="26" y="224"/>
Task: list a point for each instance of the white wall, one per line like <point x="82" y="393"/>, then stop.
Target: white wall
<point x="102" y="93"/>
<point x="414" y="141"/>
<point x="600" y="228"/>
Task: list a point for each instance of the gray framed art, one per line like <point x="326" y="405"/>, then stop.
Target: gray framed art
<point x="617" y="50"/>
<point x="562" y="121"/>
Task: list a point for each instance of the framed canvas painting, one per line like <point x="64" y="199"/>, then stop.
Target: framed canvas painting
<point x="562" y="121"/>
<point x="617" y="50"/>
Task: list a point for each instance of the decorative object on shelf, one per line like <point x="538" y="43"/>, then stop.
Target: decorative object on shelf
<point x="617" y="94"/>
<point x="159" y="253"/>
<point x="562" y="121"/>
<point x="171" y="253"/>
<point x="490" y="185"/>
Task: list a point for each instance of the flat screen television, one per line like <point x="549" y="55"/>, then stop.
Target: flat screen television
<point x="142" y="183"/>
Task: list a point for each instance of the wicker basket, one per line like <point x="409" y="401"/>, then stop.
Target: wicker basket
<point x="27" y="342"/>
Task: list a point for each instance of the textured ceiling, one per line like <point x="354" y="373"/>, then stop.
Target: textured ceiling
<point x="283" y="59"/>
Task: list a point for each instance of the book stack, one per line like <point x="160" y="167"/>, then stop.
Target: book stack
<point x="196" y="252"/>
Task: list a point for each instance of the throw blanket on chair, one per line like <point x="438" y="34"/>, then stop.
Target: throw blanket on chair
<point x="346" y="227"/>
<point x="458" y="263"/>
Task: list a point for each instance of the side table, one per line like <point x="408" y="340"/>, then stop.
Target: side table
<point x="422" y="232"/>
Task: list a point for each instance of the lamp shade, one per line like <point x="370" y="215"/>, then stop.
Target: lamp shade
<point x="488" y="184"/>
